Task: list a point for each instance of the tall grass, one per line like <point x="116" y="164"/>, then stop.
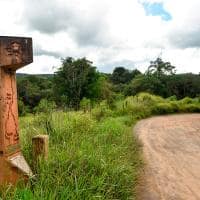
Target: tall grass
<point x="92" y="155"/>
<point x="88" y="159"/>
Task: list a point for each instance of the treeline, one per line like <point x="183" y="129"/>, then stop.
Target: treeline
<point x="78" y="83"/>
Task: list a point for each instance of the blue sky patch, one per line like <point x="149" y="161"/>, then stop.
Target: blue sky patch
<point x="156" y="9"/>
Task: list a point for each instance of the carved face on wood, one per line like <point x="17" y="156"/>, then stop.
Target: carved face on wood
<point x="15" y="52"/>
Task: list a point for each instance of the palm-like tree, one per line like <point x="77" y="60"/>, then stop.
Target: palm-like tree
<point x="159" y="68"/>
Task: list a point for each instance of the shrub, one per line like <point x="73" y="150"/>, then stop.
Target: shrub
<point x="175" y="106"/>
<point x="101" y="111"/>
<point x="138" y="106"/>
<point x="186" y="100"/>
<point x="163" y="108"/>
<point x="190" y="108"/>
<point x="85" y="104"/>
<point x="172" y="98"/>
<point x="45" y="106"/>
<point x="148" y="99"/>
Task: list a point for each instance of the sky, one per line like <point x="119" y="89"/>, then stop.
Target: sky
<point x="110" y="33"/>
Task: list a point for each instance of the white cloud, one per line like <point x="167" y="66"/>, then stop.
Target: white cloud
<point x="42" y="64"/>
<point x="108" y="32"/>
<point x="187" y="59"/>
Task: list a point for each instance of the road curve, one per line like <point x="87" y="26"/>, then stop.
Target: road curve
<point x="171" y="146"/>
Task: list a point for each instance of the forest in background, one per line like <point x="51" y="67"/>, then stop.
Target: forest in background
<point x="77" y="84"/>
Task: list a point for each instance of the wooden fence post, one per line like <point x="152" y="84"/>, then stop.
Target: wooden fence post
<point x="40" y="147"/>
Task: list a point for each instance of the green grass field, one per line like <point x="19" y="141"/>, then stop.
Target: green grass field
<point x="92" y="155"/>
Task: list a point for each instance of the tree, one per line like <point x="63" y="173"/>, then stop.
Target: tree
<point x="144" y="83"/>
<point x="183" y="85"/>
<point x="154" y="80"/>
<point x="32" y="88"/>
<point x="121" y="75"/>
<point x="135" y="73"/>
<point x="74" y="80"/>
<point x="159" y="68"/>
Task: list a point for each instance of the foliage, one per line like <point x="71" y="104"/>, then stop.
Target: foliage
<point x="101" y="110"/>
<point x="153" y="81"/>
<point x="75" y="79"/>
<point x="22" y="109"/>
<point x="33" y="88"/>
<point x="121" y="75"/>
<point x="45" y="106"/>
<point x="144" y="105"/>
<point x="103" y="90"/>
<point x="183" y="85"/>
<point x="172" y="98"/>
<point x="160" y="79"/>
<point x="179" y="85"/>
<point x="85" y="104"/>
<point x="159" y="68"/>
<point x="145" y="83"/>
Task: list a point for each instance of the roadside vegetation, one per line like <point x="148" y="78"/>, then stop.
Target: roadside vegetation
<point x="89" y="118"/>
<point x="93" y="153"/>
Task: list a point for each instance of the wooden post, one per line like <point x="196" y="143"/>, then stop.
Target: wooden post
<point x="15" y="52"/>
<point x="40" y="145"/>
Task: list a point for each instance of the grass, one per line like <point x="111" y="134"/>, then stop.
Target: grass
<point x="92" y="155"/>
<point x="88" y="159"/>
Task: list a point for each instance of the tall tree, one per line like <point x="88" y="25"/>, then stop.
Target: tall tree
<point x="74" y="80"/>
<point x="144" y="83"/>
<point x="159" y="68"/>
<point x="122" y="75"/>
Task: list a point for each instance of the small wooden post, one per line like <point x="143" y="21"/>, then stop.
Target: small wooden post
<point x="40" y="147"/>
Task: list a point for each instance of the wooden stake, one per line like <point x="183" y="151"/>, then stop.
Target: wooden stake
<point x="40" y="147"/>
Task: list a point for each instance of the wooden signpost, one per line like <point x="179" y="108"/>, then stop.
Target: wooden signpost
<point x="15" y="52"/>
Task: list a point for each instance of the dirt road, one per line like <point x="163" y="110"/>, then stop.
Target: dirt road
<point x="171" y="146"/>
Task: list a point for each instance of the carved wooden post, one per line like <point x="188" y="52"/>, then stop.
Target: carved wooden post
<point x="15" y="52"/>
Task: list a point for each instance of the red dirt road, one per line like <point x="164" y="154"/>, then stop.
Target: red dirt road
<point x="171" y="146"/>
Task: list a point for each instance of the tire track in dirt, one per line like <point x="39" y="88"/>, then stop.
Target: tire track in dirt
<point x="171" y="147"/>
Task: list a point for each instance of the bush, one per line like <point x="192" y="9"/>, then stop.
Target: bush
<point x="190" y="108"/>
<point x="163" y="108"/>
<point x="148" y="99"/>
<point x="85" y="104"/>
<point x="138" y="106"/>
<point x="175" y="106"/>
<point x="144" y="105"/>
<point x="45" y="106"/>
<point x="101" y="111"/>
<point x="186" y="100"/>
<point x="172" y="98"/>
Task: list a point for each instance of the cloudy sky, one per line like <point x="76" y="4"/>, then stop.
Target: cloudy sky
<point x="110" y="33"/>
